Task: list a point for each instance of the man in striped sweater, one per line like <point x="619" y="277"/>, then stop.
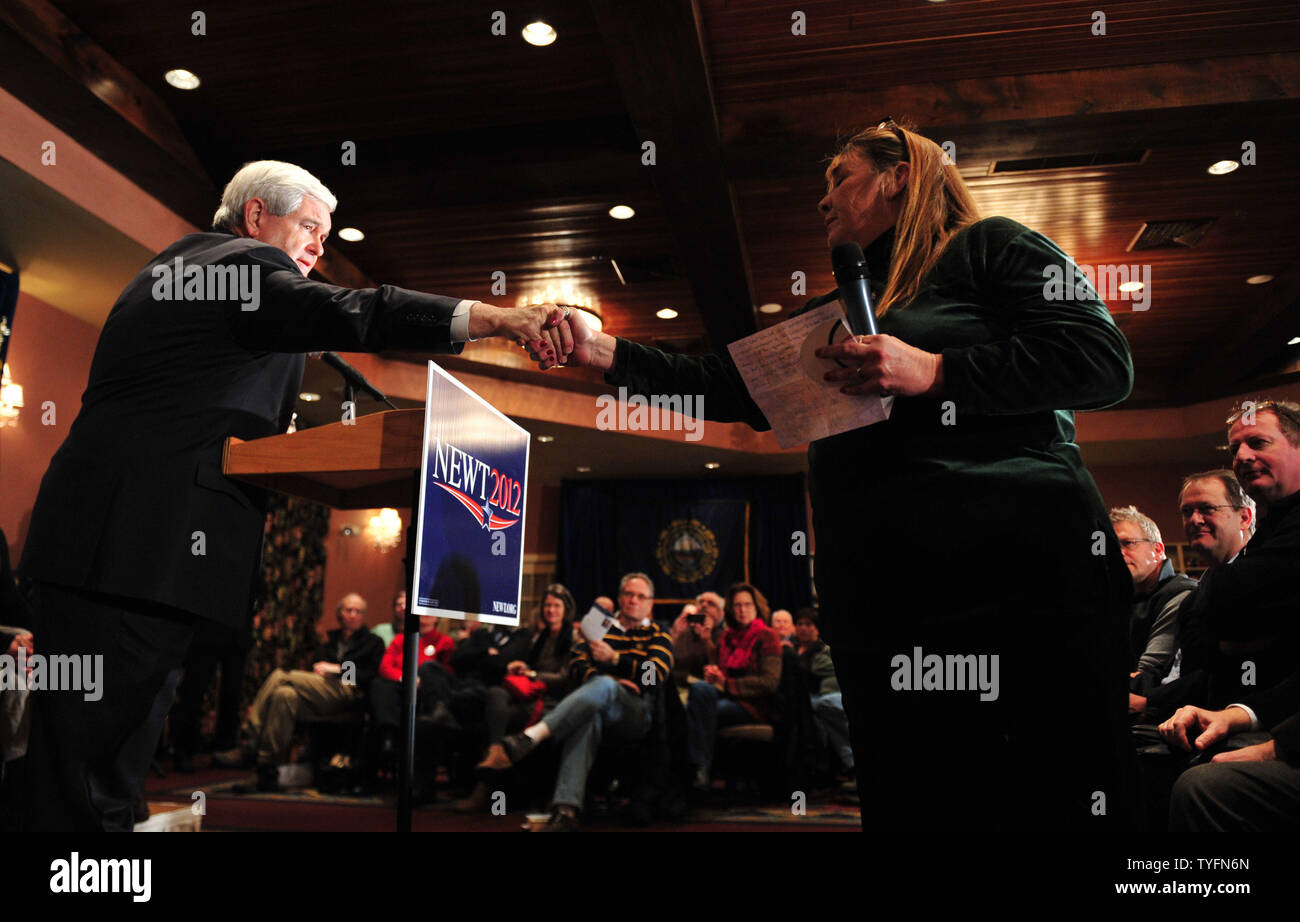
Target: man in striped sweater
<point x="618" y="677"/>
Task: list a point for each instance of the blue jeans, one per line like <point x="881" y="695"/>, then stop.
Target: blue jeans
<point x="829" y="711"/>
<point x="706" y="712"/>
<point x="598" y="710"/>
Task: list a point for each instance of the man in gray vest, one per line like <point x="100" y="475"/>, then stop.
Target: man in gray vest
<point x="1157" y="594"/>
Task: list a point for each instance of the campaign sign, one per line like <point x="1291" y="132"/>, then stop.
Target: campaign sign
<point x="469" y="555"/>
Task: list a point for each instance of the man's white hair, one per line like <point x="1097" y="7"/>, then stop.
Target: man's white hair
<point x="281" y="185"/>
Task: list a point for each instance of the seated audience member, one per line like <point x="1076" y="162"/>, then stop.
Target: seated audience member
<point x="548" y="656"/>
<point x="1218" y="519"/>
<point x="386" y="632"/>
<point x="530" y="686"/>
<point x="287" y="696"/>
<point x="1157" y="594"/>
<point x="783" y="624"/>
<point x="15" y="704"/>
<point x="482" y="696"/>
<point x="828" y="704"/>
<point x="1247" y="607"/>
<point x="695" y="634"/>
<point x="432" y="677"/>
<point x="740" y="685"/>
<point x="1253" y="788"/>
<point x="618" y="678"/>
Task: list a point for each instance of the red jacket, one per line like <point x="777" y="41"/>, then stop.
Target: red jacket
<point x="433" y="646"/>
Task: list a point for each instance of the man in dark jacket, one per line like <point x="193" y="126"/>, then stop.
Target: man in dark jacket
<point x="342" y="669"/>
<point x="1255" y="786"/>
<point x="136" y="533"/>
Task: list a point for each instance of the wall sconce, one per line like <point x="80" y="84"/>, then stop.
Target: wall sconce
<point x="11" y="399"/>
<point x="384" y="530"/>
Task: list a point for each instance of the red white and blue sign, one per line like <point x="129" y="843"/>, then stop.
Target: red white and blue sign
<point x="469" y="556"/>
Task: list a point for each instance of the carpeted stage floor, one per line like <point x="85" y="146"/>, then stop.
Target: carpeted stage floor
<point x="306" y="810"/>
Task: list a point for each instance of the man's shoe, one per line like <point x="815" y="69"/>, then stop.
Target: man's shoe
<point x="507" y="753"/>
<point x="561" y="821"/>
<point x="233" y="758"/>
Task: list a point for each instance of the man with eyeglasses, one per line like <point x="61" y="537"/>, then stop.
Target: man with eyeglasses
<point x="1218" y="519"/>
<point x="1250" y="606"/>
<point x="617" y="677"/>
<point x="1158" y="592"/>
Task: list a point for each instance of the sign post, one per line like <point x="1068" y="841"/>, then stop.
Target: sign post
<point x="465" y="549"/>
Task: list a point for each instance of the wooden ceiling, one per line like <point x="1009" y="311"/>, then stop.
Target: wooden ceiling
<point x="478" y="152"/>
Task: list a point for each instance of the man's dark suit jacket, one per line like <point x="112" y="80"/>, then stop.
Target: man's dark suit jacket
<point x="140" y="471"/>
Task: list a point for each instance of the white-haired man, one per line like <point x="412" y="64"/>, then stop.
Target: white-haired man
<point x="136" y="533"/>
<point x="1158" y="592"/>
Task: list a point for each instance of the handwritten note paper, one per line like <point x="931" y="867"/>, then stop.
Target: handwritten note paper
<point x="785" y="379"/>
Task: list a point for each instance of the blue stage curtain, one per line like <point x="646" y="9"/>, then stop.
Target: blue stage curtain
<point x="669" y="528"/>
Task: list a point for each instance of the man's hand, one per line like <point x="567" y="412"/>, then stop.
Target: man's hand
<point x="602" y="652"/>
<point x="884" y="365"/>
<point x="540" y="327"/>
<point x="1136" y="703"/>
<point x="630" y="685"/>
<point x="701" y="630"/>
<point x="1260" y="752"/>
<point x="1193" y="726"/>
<point x="323" y="668"/>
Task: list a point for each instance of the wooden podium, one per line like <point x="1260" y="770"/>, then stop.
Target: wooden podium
<point x="372" y="461"/>
<point x="365" y="464"/>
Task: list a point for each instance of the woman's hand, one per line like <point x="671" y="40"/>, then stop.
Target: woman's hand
<point x="586" y="346"/>
<point x="713" y="675"/>
<point x="516" y="667"/>
<point x="884" y="365"/>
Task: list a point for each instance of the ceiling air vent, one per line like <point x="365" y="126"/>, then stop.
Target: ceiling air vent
<point x="1170" y="235"/>
<point x="1068" y="161"/>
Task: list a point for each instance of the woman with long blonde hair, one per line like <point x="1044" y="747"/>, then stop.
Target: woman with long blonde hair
<point x="970" y="584"/>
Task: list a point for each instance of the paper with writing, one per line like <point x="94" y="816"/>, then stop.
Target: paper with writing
<point x="784" y="377"/>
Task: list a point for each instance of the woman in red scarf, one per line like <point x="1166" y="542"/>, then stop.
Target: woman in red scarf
<point x="740" y="683"/>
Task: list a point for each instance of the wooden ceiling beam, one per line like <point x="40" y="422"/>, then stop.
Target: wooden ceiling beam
<point x="76" y="54"/>
<point x="657" y="50"/>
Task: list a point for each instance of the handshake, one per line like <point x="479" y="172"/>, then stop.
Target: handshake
<point x="553" y="334"/>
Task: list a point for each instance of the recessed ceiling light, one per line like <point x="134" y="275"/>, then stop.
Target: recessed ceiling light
<point x="583" y="469"/>
<point x="539" y="33"/>
<point x="772" y="308"/>
<point x="546" y="438"/>
<point x="309" y="397"/>
<point x="351" y="235"/>
<point x="712" y="465"/>
<point x="666" y="313"/>
<point x="1131" y="286"/>
<point x="621" y="212"/>
<point x="1259" y="280"/>
<point x="1293" y="341"/>
<point x="181" y="79"/>
<point x="1222" y="167"/>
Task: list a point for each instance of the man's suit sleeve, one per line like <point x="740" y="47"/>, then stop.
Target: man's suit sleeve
<point x="1278" y="708"/>
<point x="297" y="314"/>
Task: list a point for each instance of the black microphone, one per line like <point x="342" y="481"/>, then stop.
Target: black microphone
<point x="351" y="375"/>
<point x="850" y="268"/>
